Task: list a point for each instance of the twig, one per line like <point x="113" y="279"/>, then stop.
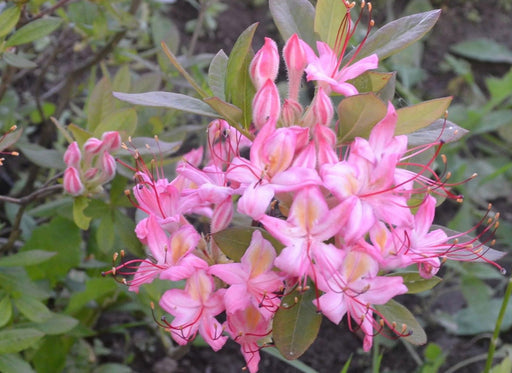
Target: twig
<point x="45" y="12"/>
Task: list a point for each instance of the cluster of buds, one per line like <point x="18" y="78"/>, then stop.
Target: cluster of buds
<point x="343" y="215"/>
<point x="89" y="169"/>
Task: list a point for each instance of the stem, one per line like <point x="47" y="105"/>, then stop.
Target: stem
<point x="197" y="29"/>
<point x="497" y="327"/>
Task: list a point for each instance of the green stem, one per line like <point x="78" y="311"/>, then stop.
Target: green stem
<point x="494" y="339"/>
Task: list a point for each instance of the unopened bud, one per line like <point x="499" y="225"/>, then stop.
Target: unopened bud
<point x="265" y="64"/>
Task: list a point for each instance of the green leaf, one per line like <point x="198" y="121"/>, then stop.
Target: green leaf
<point x="48" y="358"/>
<point x="122" y="80"/>
<point x="229" y="112"/>
<point x="294" y="17"/>
<point x="95" y="289"/>
<point x="394" y="312"/>
<point x="239" y="88"/>
<point x="16" y="340"/>
<point x="159" y="147"/>
<point x="372" y="81"/>
<point x="504" y="367"/>
<point x="18" y="61"/>
<point x="100" y="104"/>
<point x="79" y="134"/>
<point x="33" y="31"/>
<point x="440" y="129"/>
<point x="217" y="74"/>
<point x="10" y="139"/>
<point x="46" y="158"/>
<point x="397" y="35"/>
<point x="415" y="283"/>
<point x="56" y="324"/>
<point x="32" y="309"/>
<point x="125" y="228"/>
<point x="13" y="363"/>
<point x="15" y="281"/>
<point x="8" y="20"/>
<point x="296" y="324"/>
<point x="328" y="20"/>
<point x="358" y="115"/>
<point x="415" y="117"/>
<point x="123" y="120"/>
<point x="5" y="310"/>
<point x="59" y="235"/>
<point x="234" y="241"/>
<point x="483" y="49"/>
<point x="26" y="258"/>
<point x="81" y="220"/>
<point x="169" y="100"/>
<point x="105" y="234"/>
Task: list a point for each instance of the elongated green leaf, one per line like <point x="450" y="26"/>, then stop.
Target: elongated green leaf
<point x="15" y="282"/>
<point x="26" y="258"/>
<point x="439" y="130"/>
<point x="168" y="100"/>
<point x="16" y="340"/>
<point x="394" y="312"/>
<point x="297" y="364"/>
<point x="100" y="103"/>
<point x="415" y="283"/>
<point x="5" y="310"/>
<point x="13" y="363"/>
<point x="358" y="115"/>
<point x="47" y="158"/>
<point x="415" y="117"/>
<point x="32" y="309"/>
<point x="123" y="120"/>
<point x="294" y="17"/>
<point x="483" y="49"/>
<point x="232" y="114"/>
<point x="239" y="88"/>
<point x="371" y="81"/>
<point x="10" y="139"/>
<point x="397" y="35"/>
<point x="217" y="74"/>
<point x="8" y="19"/>
<point x="56" y="324"/>
<point x="150" y="146"/>
<point x="234" y="241"/>
<point x="18" y="61"/>
<point x="122" y="80"/>
<point x="296" y="324"/>
<point x="95" y="289"/>
<point x="328" y="19"/>
<point x="33" y="31"/>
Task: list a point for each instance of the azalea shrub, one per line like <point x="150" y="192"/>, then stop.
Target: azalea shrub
<point x="319" y="195"/>
<point x="312" y="196"/>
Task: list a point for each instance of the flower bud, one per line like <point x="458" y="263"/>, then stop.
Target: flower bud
<point x="320" y="111"/>
<point x="108" y="166"/>
<point x="291" y="112"/>
<point x="92" y="147"/>
<point x="72" y="183"/>
<point x="266" y="104"/>
<point x="72" y="156"/>
<point x="111" y="141"/>
<point x="265" y="64"/>
<point x="295" y="54"/>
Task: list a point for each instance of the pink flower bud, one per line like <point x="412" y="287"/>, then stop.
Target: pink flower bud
<point x="111" y="141"/>
<point x="295" y="53"/>
<point x="291" y="112"/>
<point x="266" y="104"/>
<point x="265" y="64"/>
<point x="108" y="166"/>
<point x="72" y="183"/>
<point x="320" y="111"/>
<point x="92" y="147"/>
<point x="72" y="156"/>
<point x="90" y="174"/>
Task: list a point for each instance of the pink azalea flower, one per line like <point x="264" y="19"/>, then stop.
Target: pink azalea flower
<point x="326" y="70"/>
<point x="251" y="281"/>
<point x="194" y="310"/>
<point x="354" y="289"/>
<point x="247" y="327"/>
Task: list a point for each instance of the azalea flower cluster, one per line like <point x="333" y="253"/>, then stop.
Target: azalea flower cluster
<point x="85" y="174"/>
<point x="344" y="215"/>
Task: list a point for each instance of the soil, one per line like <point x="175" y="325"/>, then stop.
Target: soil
<point x="336" y="344"/>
